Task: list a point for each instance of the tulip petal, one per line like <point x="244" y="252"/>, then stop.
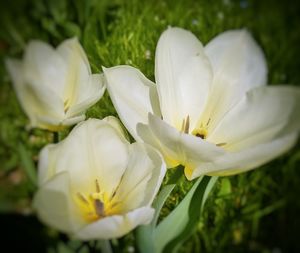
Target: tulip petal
<point x="238" y="65"/>
<point x="37" y="101"/>
<point x="117" y="125"/>
<point x="142" y="178"/>
<point x="147" y="136"/>
<point x="116" y="226"/>
<point x="187" y="149"/>
<point x="246" y="159"/>
<point x="44" y="66"/>
<point x="132" y="94"/>
<point x="183" y="76"/>
<point x="94" y="90"/>
<point x="78" y="70"/>
<point x="54" y="206"/>
<point x="263" y="114"/>
<point x="87" y="155"/>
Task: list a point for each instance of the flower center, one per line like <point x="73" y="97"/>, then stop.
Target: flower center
<point x="97" y="204"/>
<point x="200" y="132"/>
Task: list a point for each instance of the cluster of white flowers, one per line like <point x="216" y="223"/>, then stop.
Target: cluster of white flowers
<point x="210" y="111"/>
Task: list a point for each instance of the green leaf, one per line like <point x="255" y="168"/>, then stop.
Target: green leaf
<point x="145" y="239"/>
<point x="27" y="164"/>
<point x="182" y="221"/>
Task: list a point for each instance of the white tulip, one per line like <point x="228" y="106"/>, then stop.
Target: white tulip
<point x="210" y="109"/>
<point x="55" y="86"/>
<point x="95" y="184"/>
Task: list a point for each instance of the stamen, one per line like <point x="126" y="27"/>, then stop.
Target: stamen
<point x="183" y="125"/>
<point x="116" y="189"/>
<point x="187" y="125"/>
<point x="82" y="198"/>
<point x="97" y="186"/>
<point x="221" y="144"/>
<point x="66" y="106"/>
<point x="208" y="122"/>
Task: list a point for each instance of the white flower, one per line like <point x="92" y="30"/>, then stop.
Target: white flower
<point x="55" y="86"/>
<point x="210" y="109"/>
<point x="95" y="184"/>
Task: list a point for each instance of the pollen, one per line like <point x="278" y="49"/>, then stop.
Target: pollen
<point x="96" y="205"/>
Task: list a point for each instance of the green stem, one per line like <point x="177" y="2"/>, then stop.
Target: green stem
<point x="105" y="246"/>
<point x="55" y="137"/>
<point x="174" y="178"/>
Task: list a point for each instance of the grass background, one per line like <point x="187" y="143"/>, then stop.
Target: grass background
<point x="253" y="212"/>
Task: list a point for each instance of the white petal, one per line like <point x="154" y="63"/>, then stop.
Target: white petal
<point x="43" y="66"/>
<point x="264" y="113"/>
<point x="117" y="125"/>
<point x="72" y="121"/>
<point x="188" y="150"/>
<point x="183" y="76"/>
<point x="247" y="159"/>
<point x="93" y="91"/>
<point x="132" y="94"/>
<point x="78" y="70"/>
<point x="147" y="136"/>
<point x="46" y="167"/>
<point x="37" y="101"/>
<point x="142" y="178"/>
<point x="15" y="69"/>
<point x="54" y="206"/>
<point x="87" y="155"/>
<point x="238" y="65"/>
<point x="116" y="226"/>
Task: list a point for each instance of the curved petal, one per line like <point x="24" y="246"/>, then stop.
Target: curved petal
<point x="37" y="101"/>
<point x="132" y="94"/>
<point x="54" y="206"/>
<point x="15" y="70"/>
<point x="188" y="150"/>
<point x="183" y="76"/>
<point x="117" y="125"/>
<point x="116" y="226"/>
<point x="94" y="90"/>
<point x="46" y="164"/>
<point x="264" y="113"/>
<point x="147" y="136"/>
<point x="72" y="121"/>
<point x="44" y="66"/>
<point x="246" y="159"/>
<point x="87" y="155"/>
<point x="142" y="178"/>
<point x="78" y="70"/>
<point x="238" y="65"/>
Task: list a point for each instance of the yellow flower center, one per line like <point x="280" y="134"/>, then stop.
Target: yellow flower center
<point x="201" y="132"/>
<point x="97" y="204"/>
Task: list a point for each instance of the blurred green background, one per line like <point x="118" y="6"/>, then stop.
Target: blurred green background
<point x="258" y="211"/>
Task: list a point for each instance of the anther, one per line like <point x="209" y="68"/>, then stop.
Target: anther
<point x="202" y="136"/>
<point x="82" y="198"/>
<point x="183" y="125"/>
<point x="208" y="122"/>
<point x="187" y="125"/>
<point x="66" y="106"/>
<point x="221" y="144"/>
<point x="97" y="186"/>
